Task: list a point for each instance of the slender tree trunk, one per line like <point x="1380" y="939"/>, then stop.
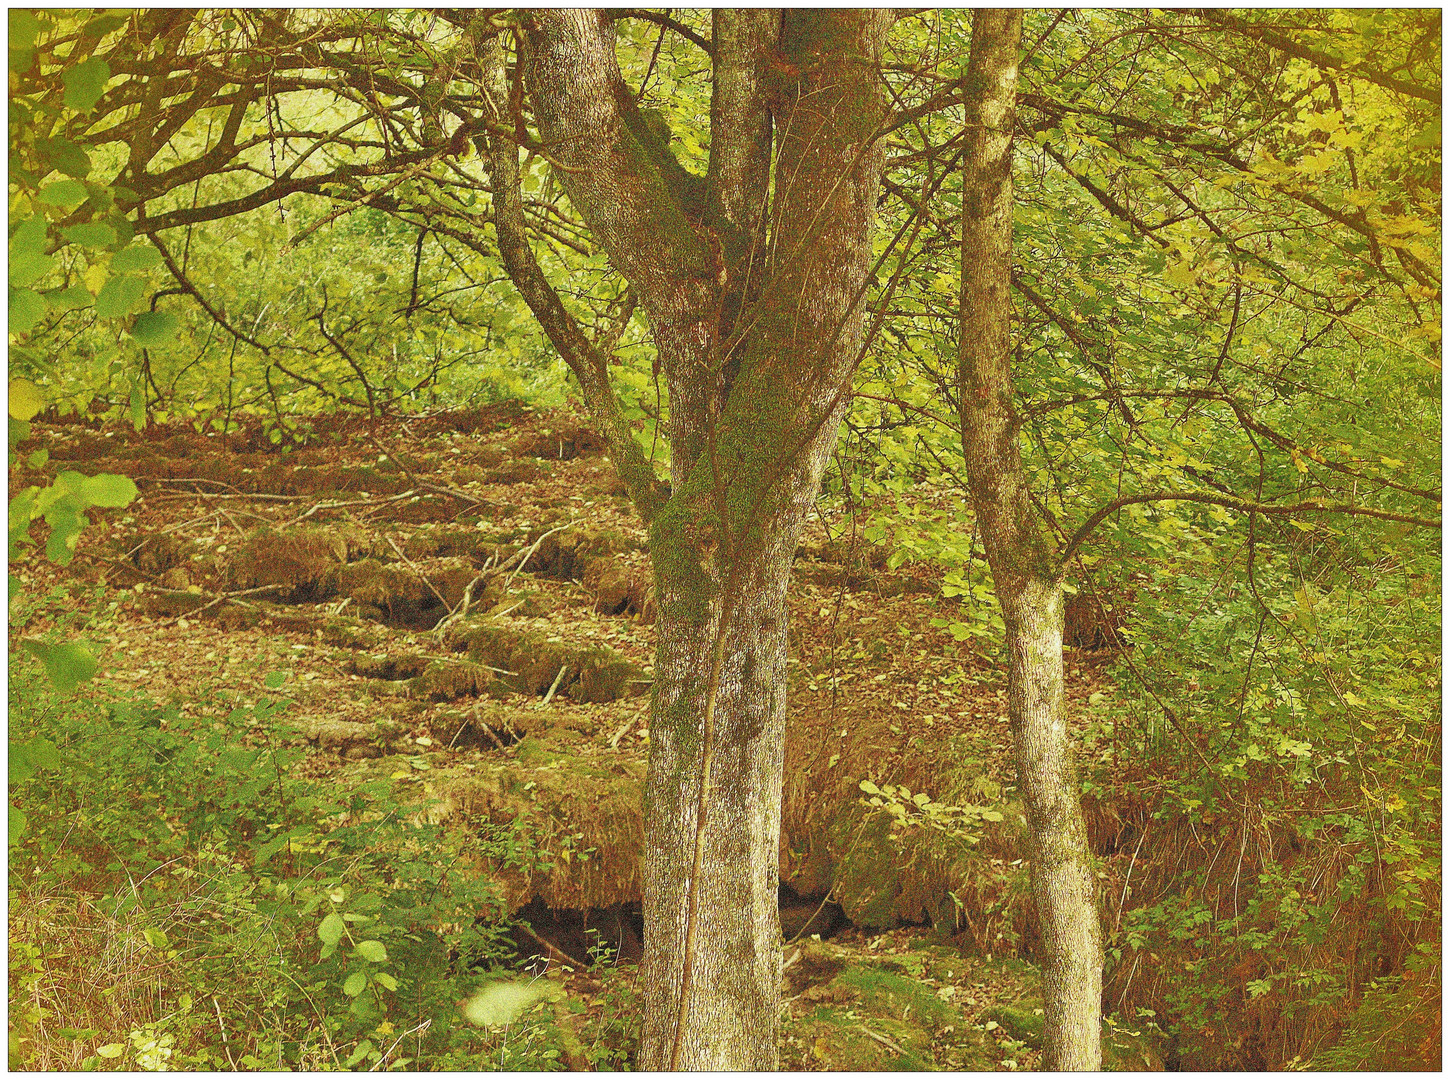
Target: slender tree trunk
<point x="754" y="289"/>
<point x="1026" y="569"/>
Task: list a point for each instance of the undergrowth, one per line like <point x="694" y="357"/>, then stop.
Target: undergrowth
<point x="181" y="899"/>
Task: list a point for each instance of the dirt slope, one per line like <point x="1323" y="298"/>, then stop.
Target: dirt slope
<point x="469" y="595"/>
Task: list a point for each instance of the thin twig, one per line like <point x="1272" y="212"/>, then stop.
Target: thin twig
<point x="225" y="1045"/>
<point x="349" y="504"/>
<point x="559" y="678"/>
<point x="631" y="722"/>
<point x="1127" y="880"/>
<point x="413" y="567"/>
<point x="529" y="553"/>
<point x="806" y="926"/>
<point x="883" y="1040"/>
<point x="424" y="1026"/>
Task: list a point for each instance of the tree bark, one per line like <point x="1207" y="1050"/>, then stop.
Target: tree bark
<point x="1026" y="568"/>
<point x="757" y="316"/>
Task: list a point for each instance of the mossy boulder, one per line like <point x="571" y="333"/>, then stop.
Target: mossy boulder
<point x="349" y="739"/>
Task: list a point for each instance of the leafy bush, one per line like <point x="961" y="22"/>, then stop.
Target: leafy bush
<point x="206" y="908"/>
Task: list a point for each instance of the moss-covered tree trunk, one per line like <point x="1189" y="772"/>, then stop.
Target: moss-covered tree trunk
<point x="1026" y="568"/>
<point x="753" y="279"/>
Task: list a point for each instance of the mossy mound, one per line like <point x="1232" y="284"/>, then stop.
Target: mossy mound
<point x="576" y="835"/>
<point x="350" y="632"/>
<point x="155" y="553"/>
<point x="855" y="1012"/>
<point x="458" y="542"/>
<point x="561" y="444"/>
<point x="296" y="559"/>
<point x="885" y="871"/>
<point x="565" y="556"/>
<point x="399" y="594"/>
<point x="533" y="663"/>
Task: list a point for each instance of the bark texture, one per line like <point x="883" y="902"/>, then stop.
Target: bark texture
<point x="753" y="282"/>
<point x="1026" y="568"/>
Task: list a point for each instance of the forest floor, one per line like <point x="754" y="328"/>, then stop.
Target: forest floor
<point x="338" y="563"/>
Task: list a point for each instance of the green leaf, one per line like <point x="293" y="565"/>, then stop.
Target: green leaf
<point x="109" y="490"/>
<point x="66" y="194"/>
<point x="41" y="753"/>
<point x="373" y="951"/>
<point x="96" y="234"/>
<point x="363" y="1049"/>
<point x="869" y="788"/>
<point x="138" y="408"/>
<point x="26" y="309"/>
<point x="24" y="28"/>
<point x="355" y="984"/>
<point x="18" y="824"/>
<point x="120" y="295"/>
<point x="25" y="399"/>
<point x="85" y="83"/>
<point x="66" y="524"/>
<point x="154" y="327"/>
<point x="30" y="237"/>
<point x="69" y="299"/>
<point x="38" y="459"/>
<point x="157" y="939"/>
<point x="64" y="156"/>
<point x="102" y="25"/>
<point x="275" y="679"/>
<point x="504" y="1002"/>
<point x="136" y="257"/>
<point x="29" y="268"/>
<point x="332" y="929"/>
<point x="386" y="981"/>
<point x="22" y="513"/>
<point x="68" y="664"/>
<point x="111" y="1050"/>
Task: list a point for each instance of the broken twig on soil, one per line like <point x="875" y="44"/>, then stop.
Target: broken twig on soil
<point x="218" y="600"/>
<point x="559" y="678"/>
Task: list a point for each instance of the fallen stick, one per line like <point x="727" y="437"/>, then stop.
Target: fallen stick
<point x="218" y="600"/>
<point x="413" y="567"/>
<point x="557" y="680"/>
<point x="883" y="1040"/>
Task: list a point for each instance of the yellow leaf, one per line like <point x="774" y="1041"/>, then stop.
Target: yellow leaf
<point x="1180" y="275"/>
<point x="1393" y="463"/>
<point x="95" y="277"/>
<point x="25" y="399"/>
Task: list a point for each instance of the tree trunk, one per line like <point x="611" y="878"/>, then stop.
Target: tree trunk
<point x="754" y="289"/>
<point x="1026" y="569"/>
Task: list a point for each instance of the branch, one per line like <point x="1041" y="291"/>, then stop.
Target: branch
<point x="589" y="363"/>
<point x="1274" y="39"/>
<point x="186" y="285"/>
<point x="680" y="28"/>
<point x="1245" y="506"/>
<point x="620" y="176"/>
